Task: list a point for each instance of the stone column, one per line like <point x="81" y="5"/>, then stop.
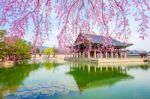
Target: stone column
<point x="112" y="55"/>
<point x="106" y="54"/>
<point x="94" y="53"/>
<point x="121" y="55"/>
<point x="125" y="55"/>
<point x="80" y="54"/>
<point x="89" y="54"/>
<point x="83" y="54"/>
<point x="74" y="54"/>
<point x="101" y="55"/>
<point x="77" y="55"/>
<point x="116" y="54"/>
<point x="71" y="55"/>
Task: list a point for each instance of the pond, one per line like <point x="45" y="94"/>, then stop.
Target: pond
<point x="75" y="80"/>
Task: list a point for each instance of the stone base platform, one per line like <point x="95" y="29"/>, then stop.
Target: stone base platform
<point x="108" y="60"/>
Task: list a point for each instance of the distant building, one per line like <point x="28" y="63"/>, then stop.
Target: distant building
<point x="96" y="46"/>
<point x="137" y="53"/>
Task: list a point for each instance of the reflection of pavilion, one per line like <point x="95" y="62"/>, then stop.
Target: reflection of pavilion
<point x="91" y="75"/>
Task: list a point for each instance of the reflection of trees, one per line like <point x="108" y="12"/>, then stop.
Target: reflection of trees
<point x="144" y="66"/>
<point x="49" y="65"/>
<point x="87" y="76"/>
<point x="11" y="78"/>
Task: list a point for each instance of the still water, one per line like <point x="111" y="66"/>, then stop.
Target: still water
<point x="75" y="80"/>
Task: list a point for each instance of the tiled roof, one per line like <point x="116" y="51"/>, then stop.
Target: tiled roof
<point x="103" y="40"/>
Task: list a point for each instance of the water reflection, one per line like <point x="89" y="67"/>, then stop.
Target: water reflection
<point x="69" y="80"/>
<point x="11" y="78"/>
<point x="88" y="75"/>
<point x="145" y="66"/>
<point x="49" y="65"/>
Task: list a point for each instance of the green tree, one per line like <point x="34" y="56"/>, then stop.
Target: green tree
<point x="3" y="51"/>
<point x="18" y="49"/>
<point x="3" y="46"/>
<point x="49" y="51"/>
<point x="23" y="50"/>
<point x="2" y="35"/>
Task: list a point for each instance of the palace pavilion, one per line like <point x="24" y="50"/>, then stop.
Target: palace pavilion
<point x="96" y="46"/>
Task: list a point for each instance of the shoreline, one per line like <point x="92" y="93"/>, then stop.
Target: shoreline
<point x="63" y="58"/>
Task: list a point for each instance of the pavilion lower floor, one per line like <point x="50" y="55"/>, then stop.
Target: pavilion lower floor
<point x="97" y="54"/>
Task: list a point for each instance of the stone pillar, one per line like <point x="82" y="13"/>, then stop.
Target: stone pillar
<point x="112" y="55"/>
<point x="125" y="55"/>
<point x="77" y="55"/>
<point x="101" y="55"/>
<point x="116" y="54"/>
<point x="80" y="54"/>
<point x="74" y="55"/>
<point x="71" y="55"/>
<point x="121" y="55"/>
<point x="94" y="53"/>
<point x="106" y="55"/>
<point x="83" y="54"/>
<point x="89" y="54"/>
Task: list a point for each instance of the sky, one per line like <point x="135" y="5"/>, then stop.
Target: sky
<point x="138" y="44"/>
